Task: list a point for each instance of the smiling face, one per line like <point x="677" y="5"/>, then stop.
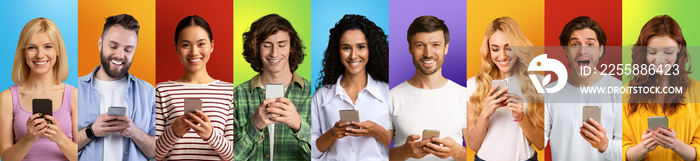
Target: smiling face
<point x="117" y="51"/>
<point x="274" y="52"/>
<point x="40" y="53"/>
<point x="194" y="48"/>
<point x="354" y="53"/>
<point x="501" y="53"/>
<point x="582" y="50"/>
<point x="428" y="50"/>
<point x="662" y="52"/>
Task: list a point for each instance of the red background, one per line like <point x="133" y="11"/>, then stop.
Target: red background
<point x="219" y="15"/>
<point x="607" y="13"/>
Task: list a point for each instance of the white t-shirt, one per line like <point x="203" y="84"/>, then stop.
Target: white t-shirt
<point x="504" y="138"/>
<point x="112" y="93"/>
<point x="271" y="128"/>
<point x="563" y="112"/>
<point x="414" y="110"/>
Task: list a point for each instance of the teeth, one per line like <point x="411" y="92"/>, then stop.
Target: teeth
<point x="194" y="60"/>
<point x="275" y="61"/>
<point x="355" y="63"/>
<point x="41" y="63"/>
<point x="429" y="62"/>
<point x="117" y="62"/>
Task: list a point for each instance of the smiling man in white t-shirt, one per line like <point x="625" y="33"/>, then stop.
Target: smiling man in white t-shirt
<point x="428" y="101"/>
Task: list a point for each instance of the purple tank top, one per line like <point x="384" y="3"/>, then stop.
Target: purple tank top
<point x="43" y="149"/>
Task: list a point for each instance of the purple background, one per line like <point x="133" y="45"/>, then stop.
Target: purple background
<point x="402" y="13"/>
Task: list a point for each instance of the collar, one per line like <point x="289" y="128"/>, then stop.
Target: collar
<point x="255" y="81"/>
<point x="372" y="87"/>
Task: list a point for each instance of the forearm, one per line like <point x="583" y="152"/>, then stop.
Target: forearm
<point x="68" y="148"/>
<point x="325" y="141"/>
<point x="165" y="142"/>
<point x="685" y="151"/>
<point x="82" y="139"/>
<point x="636" y="153"/>
<point x="383" y="137"/>
<point x="19" y="150"/>
<point x="400" y="153"/>
<point x="534" y="134"/>
<point x="477" y="132"/>
<point x="146" y="143"/>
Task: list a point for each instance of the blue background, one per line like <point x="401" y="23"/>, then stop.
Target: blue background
<point x="17" y="13"/>
<point x="324" y="15"/>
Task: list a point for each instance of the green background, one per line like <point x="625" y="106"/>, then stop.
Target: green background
<point x="245" y="12"/>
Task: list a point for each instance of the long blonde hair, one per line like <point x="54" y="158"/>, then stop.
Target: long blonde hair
<point x="20" y="69"/>
<point x="523" y="49"/>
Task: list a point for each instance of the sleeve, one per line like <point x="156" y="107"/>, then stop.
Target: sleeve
<point x="614" y="149"/>
<point x="316" y="130"/>
<point x="165" y="137"/>
<point x="222" y="141"/>
<point x="628" y="135"/>
<point x="247" y="139"/>
<point x="695" y="142"/>
<point x="303" y="136"/>
<point x="547" y="122"/>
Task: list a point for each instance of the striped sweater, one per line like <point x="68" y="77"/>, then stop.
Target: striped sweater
<point x="217" y="99"/>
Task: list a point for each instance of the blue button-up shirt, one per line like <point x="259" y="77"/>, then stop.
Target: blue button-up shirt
<point x="140" y="97"/>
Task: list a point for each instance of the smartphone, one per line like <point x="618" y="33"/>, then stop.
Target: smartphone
<point x="274" y="91"/>
<point x="501" y="84"/>
<point x="349" y="115"/>
<point x="43" y="106"/>
<point x="116" y="111"/>
<point x="656" y="122"/>
<point x="429" y="134"/>
<point x="192" y="104"/>
<point x="590" y="112"/>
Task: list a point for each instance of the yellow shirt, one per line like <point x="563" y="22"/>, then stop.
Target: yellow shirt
<point x="685" y="121"/>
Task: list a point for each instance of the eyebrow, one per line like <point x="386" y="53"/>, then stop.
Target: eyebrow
<point x="494" y="45"/>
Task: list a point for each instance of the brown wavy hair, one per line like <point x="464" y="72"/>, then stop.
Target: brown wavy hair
<point x="662" y="25"/>
<point x="263" y="28"/>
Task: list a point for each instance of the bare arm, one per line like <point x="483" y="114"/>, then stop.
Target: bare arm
<point x="9" y="149"/>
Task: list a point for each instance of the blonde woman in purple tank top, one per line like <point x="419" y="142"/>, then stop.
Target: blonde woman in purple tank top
<point x="40" y="66"/>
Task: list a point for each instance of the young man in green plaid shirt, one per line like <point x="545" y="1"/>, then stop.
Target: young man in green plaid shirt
<point x="275" y="128"/>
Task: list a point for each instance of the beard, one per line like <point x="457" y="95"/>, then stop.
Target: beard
<point x="430" y="71"/>
<point x="114" y="73"/>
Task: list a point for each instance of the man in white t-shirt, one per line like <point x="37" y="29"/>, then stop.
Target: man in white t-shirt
<point x="428" y="101"/>
<point x="569" y="137"/>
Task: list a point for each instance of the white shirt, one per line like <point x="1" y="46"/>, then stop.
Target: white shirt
<point x="112" y="93"/>
<point x="372" y="104"/>
<point x="563" y="112"/>
<point x="504" y="138"/>
<point x="414" y="110"/>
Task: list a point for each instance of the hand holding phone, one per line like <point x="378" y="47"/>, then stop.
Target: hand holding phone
<point x="274" y="91"/>
<point x="501" y="84"/>
<point x="429" y="134"/>
<point x="590" y="112"/>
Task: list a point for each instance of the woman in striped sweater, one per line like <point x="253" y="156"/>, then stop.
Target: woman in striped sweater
<point x="205" y="134"/>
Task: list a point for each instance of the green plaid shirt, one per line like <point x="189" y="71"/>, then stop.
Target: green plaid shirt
<point x="251" y="144"/>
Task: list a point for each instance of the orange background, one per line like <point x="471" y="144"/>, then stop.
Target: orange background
<point x="91" y="16"/>
<point x="529" y="15"/>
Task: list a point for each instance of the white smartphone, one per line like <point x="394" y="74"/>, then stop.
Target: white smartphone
<point x="501" y="84"/>
<point x="274" y="91"/>
<point x="116" y="111"/>
<point x="192" y="104"/>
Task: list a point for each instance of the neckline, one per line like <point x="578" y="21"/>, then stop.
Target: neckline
<point x="63" y="98"/>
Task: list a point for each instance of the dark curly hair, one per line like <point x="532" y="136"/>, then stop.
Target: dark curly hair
<point x="377" y="43"/>
<point x="263" y="28"/>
